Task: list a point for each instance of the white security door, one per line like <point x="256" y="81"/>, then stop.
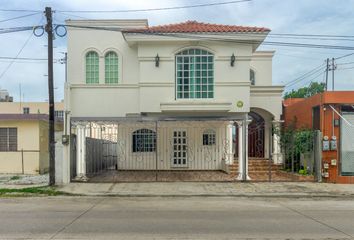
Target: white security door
<point x="347" y="145"/>
<point x="179" y="148"/>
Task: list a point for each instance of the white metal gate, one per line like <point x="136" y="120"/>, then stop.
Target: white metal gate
<point x="347" y="145"/>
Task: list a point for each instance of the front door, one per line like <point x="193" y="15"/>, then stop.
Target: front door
<point x="179" y="148"/>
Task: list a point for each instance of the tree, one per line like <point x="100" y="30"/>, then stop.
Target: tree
<point x="306" y="92"/>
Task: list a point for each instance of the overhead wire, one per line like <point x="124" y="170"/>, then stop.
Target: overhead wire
<point x="155" y="9"/>
<point x="18" y="17"/>
<point x="303" y="76"/>
<point x="19" y="10"/>
<point x="16" y="29"/>
<point x="18" y="53"/>
<point x="208" y="38"/>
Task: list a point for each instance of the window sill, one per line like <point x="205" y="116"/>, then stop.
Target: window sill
<point x="196" y="105"/>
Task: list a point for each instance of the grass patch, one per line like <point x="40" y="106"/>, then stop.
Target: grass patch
<point x="15" y="178"/>
<point x="31" y="192"/>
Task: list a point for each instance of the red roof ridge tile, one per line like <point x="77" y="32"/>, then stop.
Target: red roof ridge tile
<point x="192" y="26"/>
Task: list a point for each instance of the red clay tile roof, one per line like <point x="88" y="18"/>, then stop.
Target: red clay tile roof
<point x="194" y="27"/>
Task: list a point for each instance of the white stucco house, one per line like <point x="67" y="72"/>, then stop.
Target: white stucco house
<point x="185" y="96"/>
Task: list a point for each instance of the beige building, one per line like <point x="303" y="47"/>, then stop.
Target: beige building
<point x="170" y="97"/>
<point x="24" y="136"/>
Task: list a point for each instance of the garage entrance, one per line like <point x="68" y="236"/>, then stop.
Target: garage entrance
<point x="152" y="150"/>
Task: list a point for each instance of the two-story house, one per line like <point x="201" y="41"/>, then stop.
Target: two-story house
<point x="169" y="97"/>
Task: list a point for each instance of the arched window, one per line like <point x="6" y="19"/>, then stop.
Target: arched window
<point x="252" y="77"/>
<point x="209" y="137"/>
<point x="111" y="67"/>
<point x="144" y="140"/>
<point x="194" y="74"/>
<point x="92" y="67"/>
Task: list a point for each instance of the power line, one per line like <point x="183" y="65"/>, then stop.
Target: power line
<point x="305" y="75"/>
<point x="346" y="63"/>
<point x="313" y="35"/>
<point x="312" y="38"/>
<point x="19" y="52"/>
<point x="134" y="10"/>
<point x="154" y="9"/>
<point x="17" y="29"/>
<point x="184" y="35"/>
<point x="72" y="15"/>
<point x="313" y="78"/>
<point x="24" y="58"/>
<point x="19" y="10"/>
<point x="18" y="17"/>
<point x="344" y="56"/>
<point x="345" y="68"/>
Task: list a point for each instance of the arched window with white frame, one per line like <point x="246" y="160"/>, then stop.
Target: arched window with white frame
<point x="194" y="74"/>
<point x="92" y="67"/>
<point x="111" y="67"/>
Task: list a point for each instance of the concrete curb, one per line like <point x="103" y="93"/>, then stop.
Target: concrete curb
<point x="286" y="195"/>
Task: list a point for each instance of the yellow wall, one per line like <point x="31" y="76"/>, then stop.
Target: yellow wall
<point x="28" y="140"/>
<point x="35" y="107"/>
<point x="43" y="146"/>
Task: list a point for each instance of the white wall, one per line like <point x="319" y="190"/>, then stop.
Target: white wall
<point x="143" y="87"/>
<point x="199" y="157"/>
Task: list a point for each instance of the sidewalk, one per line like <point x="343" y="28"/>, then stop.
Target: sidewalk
<point x="211" y="189"/>
<point x="18" y="181"/>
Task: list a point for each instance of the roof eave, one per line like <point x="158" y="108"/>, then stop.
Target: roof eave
<point x="238" y="37"/>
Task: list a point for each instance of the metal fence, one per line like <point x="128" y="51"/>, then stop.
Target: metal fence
<point x="101" y="155"/>
<point x="301" y="151"/>
<point x="160" y="147"/>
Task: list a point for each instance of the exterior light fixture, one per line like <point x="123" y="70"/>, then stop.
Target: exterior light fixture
<point x="232" y="60"/>
<point x="157" y="60"/>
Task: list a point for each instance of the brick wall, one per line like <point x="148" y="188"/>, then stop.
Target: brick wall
<point x="299" y="112"/>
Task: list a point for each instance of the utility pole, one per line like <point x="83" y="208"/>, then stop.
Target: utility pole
<point x="333" y="74"/>
<point x="327" y="68"/>
<point x="49" y="30"/>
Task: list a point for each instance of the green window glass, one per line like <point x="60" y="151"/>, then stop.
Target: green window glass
<point x="194" y="74"/>
<point x="92" y="66"/>
<point x="111" y="68"/>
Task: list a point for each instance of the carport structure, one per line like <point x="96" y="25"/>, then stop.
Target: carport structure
<point x="186" y="148"/>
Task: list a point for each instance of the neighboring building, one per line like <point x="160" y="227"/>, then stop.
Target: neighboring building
<point x="333" y="114"/>
<point x="167" y="97"/>
<point x="24" y="136"/>
<point x="4" y="96"/>
<point x="32" y="108"/>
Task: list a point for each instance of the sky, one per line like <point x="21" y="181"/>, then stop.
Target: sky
<point x="281" y="16"/>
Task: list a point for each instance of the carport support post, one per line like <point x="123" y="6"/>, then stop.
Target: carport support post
<point x="243" y="149"/>
<point x="81" y="151"/>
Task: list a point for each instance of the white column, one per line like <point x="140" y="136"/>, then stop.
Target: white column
<point x="240" y="152"/>
<point x="246" y="146"/>
<point x="62" y="166"/>
<point x="242" y="134"/>
<point x="277" y="156"/>
<point x="230" y="153"/>
<point x="81" y="153"/>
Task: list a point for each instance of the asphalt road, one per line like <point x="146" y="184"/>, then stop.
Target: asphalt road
<point x="175" y="218"/>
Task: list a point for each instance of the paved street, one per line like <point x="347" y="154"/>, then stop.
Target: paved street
<point x="175" y="218"/>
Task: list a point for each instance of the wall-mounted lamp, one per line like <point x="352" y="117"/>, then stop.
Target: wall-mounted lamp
<point x="232" y="60"/>
<point x="157" y="61"/>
